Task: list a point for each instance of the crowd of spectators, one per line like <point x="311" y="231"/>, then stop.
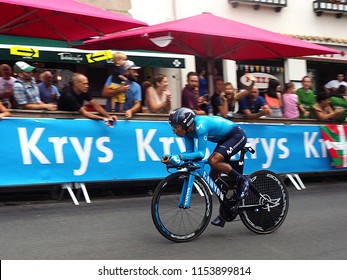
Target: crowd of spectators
<point x="329" y="104"/>
<point x="19" y="89"/>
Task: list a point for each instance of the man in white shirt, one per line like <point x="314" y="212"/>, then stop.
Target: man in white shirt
<point x="333" y="85"/>
<point x="6" y="86"/>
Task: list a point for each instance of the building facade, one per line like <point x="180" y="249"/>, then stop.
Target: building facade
<point x="322" y="22"/>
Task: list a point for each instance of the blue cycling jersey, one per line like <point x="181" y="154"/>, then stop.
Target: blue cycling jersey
<point x="207" y="128"/>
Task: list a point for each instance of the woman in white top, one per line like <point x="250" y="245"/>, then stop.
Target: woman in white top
<point x="228" y="105"/>
<point x="158" y="97"/>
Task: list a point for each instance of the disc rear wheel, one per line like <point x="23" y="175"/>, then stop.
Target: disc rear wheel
<point x="273" y="199"/>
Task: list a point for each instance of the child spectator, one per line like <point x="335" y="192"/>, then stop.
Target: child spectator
<point x="306" y="98"/>
<point x="118" y="78"/>
<point x="290" y="102"/>
<point x="273" y="99"/>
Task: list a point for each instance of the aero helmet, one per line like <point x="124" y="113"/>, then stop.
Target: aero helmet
<point x="183" y="116"/>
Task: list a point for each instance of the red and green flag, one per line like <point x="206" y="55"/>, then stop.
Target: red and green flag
<point x="335" y="139"/>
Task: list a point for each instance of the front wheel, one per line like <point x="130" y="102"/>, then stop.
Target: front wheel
<point x="271" y="196"/>
<point x="174" y="222"/>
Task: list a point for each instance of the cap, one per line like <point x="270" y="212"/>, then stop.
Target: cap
<point x="130" y="65"/>
<point x="21" y="66"/>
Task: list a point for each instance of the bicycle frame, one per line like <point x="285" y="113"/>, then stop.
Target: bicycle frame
<point x="198" y="169"/>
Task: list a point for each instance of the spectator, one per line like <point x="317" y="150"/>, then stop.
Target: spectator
<point x="342" y="90"/>
<point x="203" y="104"/>
<point x="144" y="86"/>
<point x="306" y="98"/>
<point x="216" y="97"/>
<point x="6" y="86"/>
<point x="203" y="84"/>
<point x="254" y="106"/>
<point x="118" y="78"/>
<point x="4" y="112"/>
<point x="189" y="98"/>
<point x="158" y="96"/>
<point x="203" y="91"/>
<point x="73" y="97"/>
<point x="323" y="110"/>
<point x="273" y="98"/>
<point x="339" y="101"/>
<point x="133" y="96"/>
<point x="229" y="105"/>
<point x="49" y="93"/>
<point x="332" y="86"/>
<point x="290" y="101"/>
<point x="25" y="89"/>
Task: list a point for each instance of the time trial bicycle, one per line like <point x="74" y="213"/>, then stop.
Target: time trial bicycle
<point x="182" y="202"/>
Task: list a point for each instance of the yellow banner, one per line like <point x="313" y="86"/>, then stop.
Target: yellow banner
<point x="25" y="52"/>
<point x="99" y="56"/>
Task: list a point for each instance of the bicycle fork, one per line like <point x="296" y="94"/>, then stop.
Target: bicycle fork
<point x="186" y="192"/>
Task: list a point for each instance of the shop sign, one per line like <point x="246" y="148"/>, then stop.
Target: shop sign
<point x="262" y="79"/>
<point x="99" y="56"/>
<point x="63" y="55"/>
<point x="24" y="52"/>
<point x="70" y="57"/>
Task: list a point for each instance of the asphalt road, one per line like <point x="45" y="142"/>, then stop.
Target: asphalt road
<point x="122" y="229"/>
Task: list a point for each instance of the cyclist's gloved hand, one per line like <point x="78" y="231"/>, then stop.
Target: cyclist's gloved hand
<point x="165" y="159"/>
<point x="176" y="160"/>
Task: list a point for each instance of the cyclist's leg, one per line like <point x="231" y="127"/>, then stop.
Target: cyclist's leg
<point x="219" y="162"/>
<point x="227" y="149"/>
<point x="218" y="166"/>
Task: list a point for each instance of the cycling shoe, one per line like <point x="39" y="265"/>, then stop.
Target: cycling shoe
<point x="243" y="186"/>
<point x="218" y="221"/>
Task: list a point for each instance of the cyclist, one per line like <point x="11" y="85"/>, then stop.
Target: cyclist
<point x="230" y="139"/>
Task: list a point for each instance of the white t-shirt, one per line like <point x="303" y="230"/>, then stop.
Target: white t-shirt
<point x="6" y="86"/>
<point x="335" y="84"/>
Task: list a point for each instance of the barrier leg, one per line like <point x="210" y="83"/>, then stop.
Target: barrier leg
<point x="68" y="187"/>
<point x="297" y="177"/>
<point x="84" y="190"/>
<point x="293" y="181"/>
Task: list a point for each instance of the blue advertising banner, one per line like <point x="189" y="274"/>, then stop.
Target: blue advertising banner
<point x="45" y="151"/>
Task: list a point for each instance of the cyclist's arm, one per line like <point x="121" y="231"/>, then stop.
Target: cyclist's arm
<point x="200" y="153"/>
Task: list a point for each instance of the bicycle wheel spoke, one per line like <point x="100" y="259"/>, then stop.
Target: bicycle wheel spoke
<point x="176" y="223"/>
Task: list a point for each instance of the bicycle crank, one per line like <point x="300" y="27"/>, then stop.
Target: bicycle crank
<point x="228" y="210"/>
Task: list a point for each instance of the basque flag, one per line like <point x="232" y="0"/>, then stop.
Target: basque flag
<point x="335" y="140"/>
